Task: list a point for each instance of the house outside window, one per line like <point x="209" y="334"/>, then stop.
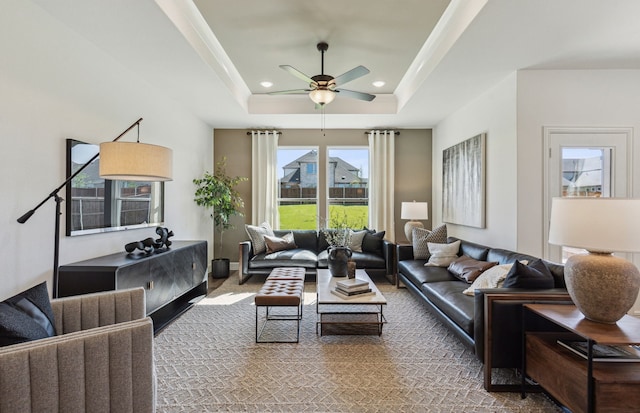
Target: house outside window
<point x="298" y="188"/>
<point x="348" y="185"/>
<point x="346" y="181"/>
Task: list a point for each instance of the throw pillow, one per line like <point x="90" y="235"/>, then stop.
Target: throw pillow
<point x="275" y="244"/>
<point x="442" y="254"/>
<point x="534" y="276"/>
<point x="356" y="238"/>
<point x="26" y="316"/>
<point x="468" y="269"/>
<point x="491" y="278"/>
<point x="256" y="235"/>
<point x="421" y="237"/>
<point x="372" y="242"/>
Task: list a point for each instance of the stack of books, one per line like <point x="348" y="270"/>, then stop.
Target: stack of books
<point x="352" y="288"/>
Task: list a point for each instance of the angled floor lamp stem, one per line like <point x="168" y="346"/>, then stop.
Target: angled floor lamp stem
<point x="58" y="200"/>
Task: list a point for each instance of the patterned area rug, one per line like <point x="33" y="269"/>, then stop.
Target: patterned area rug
<point x="208" y="361"/>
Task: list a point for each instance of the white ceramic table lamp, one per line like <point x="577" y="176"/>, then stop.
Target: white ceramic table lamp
<point x="603" y="287"/>
<point x="413" y="211"/>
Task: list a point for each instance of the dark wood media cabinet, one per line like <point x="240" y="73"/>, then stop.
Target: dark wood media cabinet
<point x="172" y="279"/>
<point x="579" y="384"/>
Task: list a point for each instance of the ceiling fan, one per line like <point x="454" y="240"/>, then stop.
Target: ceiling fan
<point x="323" y="88"/>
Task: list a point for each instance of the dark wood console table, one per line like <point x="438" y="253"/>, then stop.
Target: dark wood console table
<point x="172" y="279"/>
<point x="583" y="385"/>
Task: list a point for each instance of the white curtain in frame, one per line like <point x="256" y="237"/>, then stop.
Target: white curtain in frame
<point x="264" y="179"/>
<point x="381" y="182"/>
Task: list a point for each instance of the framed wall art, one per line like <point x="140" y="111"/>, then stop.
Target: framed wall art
<point x="463" y="183"/>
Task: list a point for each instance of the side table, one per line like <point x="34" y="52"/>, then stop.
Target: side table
<point x="581" y="385"/>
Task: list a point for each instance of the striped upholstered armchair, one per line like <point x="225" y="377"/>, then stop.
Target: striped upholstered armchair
<point x="101" y="359"/>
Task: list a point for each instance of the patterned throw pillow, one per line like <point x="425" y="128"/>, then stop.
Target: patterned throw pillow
<point x="256" y="235"/>
<point x="442" y="254"/>
<point x="275" y="244"/>
<point x="421" y="237"/>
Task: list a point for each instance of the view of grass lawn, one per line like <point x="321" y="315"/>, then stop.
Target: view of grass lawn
<point x="306" y="216"/>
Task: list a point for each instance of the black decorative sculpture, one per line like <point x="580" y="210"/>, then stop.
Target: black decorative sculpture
<point x="149" y="245"/>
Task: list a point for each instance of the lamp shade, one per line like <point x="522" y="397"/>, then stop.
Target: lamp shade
<point x="414" y="210"/>
<point x="596" y="224"/>
<point x="322" y="96"/>
<point x="134" y="161"/>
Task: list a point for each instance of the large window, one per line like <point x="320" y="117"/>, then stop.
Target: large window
<point x="345" y="177"/>
<point x="348" y="186"/>
<point x="298" y="188"/>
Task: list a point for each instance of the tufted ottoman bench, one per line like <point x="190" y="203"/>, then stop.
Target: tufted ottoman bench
<point x="281" y="289"/>
<point x="287" y="273"/>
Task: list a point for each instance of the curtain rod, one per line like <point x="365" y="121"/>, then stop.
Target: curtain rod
<point x="265" y="130"/>
<point x="366" y="132"/>
<point x="382" y="130"/>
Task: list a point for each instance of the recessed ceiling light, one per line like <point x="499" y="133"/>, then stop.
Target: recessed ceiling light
<point x="266" y="84"/>
<point x="378" y="83"/>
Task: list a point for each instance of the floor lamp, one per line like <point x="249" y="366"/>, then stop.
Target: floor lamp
<point x="130" y="161"/>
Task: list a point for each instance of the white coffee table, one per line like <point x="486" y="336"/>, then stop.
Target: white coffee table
<point x="331" y="309"/>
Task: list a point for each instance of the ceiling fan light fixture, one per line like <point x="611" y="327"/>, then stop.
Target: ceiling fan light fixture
<point x="322" y="96"/>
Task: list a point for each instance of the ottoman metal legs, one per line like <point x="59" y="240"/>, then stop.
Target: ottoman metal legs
<point x="279" y="292"/>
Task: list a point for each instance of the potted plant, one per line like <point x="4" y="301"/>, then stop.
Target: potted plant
<point x="337" y="232"/>
<point x="217" y="191"/>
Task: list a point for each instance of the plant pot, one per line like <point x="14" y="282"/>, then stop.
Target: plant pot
<point x="337" y="260"/>
<point x="220" y="268"/>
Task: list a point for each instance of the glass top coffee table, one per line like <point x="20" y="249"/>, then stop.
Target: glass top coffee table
<point x="356" y="312"/>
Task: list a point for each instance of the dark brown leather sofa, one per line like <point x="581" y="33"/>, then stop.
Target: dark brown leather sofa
<point x="489" y="322"/>
<point x="376" y="258"/>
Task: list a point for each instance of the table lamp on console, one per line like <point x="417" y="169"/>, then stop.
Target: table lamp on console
<point x="413" y="211"/>
<point x="602" y="286"/>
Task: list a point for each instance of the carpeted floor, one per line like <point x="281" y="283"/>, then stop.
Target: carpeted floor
<point x="208" y="361"/>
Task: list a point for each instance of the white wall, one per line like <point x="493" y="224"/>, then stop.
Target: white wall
<point x="593" y="98"/>
<point x="55" y="85"/>
<point x="493" y="113"/>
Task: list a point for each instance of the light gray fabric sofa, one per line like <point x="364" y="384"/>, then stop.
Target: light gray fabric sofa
<point x="101" y="359"/>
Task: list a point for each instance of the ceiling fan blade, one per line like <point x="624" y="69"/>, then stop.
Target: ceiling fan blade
<point x="356" y="95"/>
<point x="297" y="73"/>
<point x="289" y="92"/>
<point x="352" y="74"/>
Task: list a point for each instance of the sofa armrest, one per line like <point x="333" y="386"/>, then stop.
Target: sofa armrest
<point x="389" y="255"/>
<point x="245" y="254"/>
<point x="83" y="371"/>
<point x="498" y="324"/>
<point x="82" y="312"/>
<point x="404" y="252"/>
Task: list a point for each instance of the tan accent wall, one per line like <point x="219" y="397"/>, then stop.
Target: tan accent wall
<point x="412" y="174"/>
<point x="236" y="146"/>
